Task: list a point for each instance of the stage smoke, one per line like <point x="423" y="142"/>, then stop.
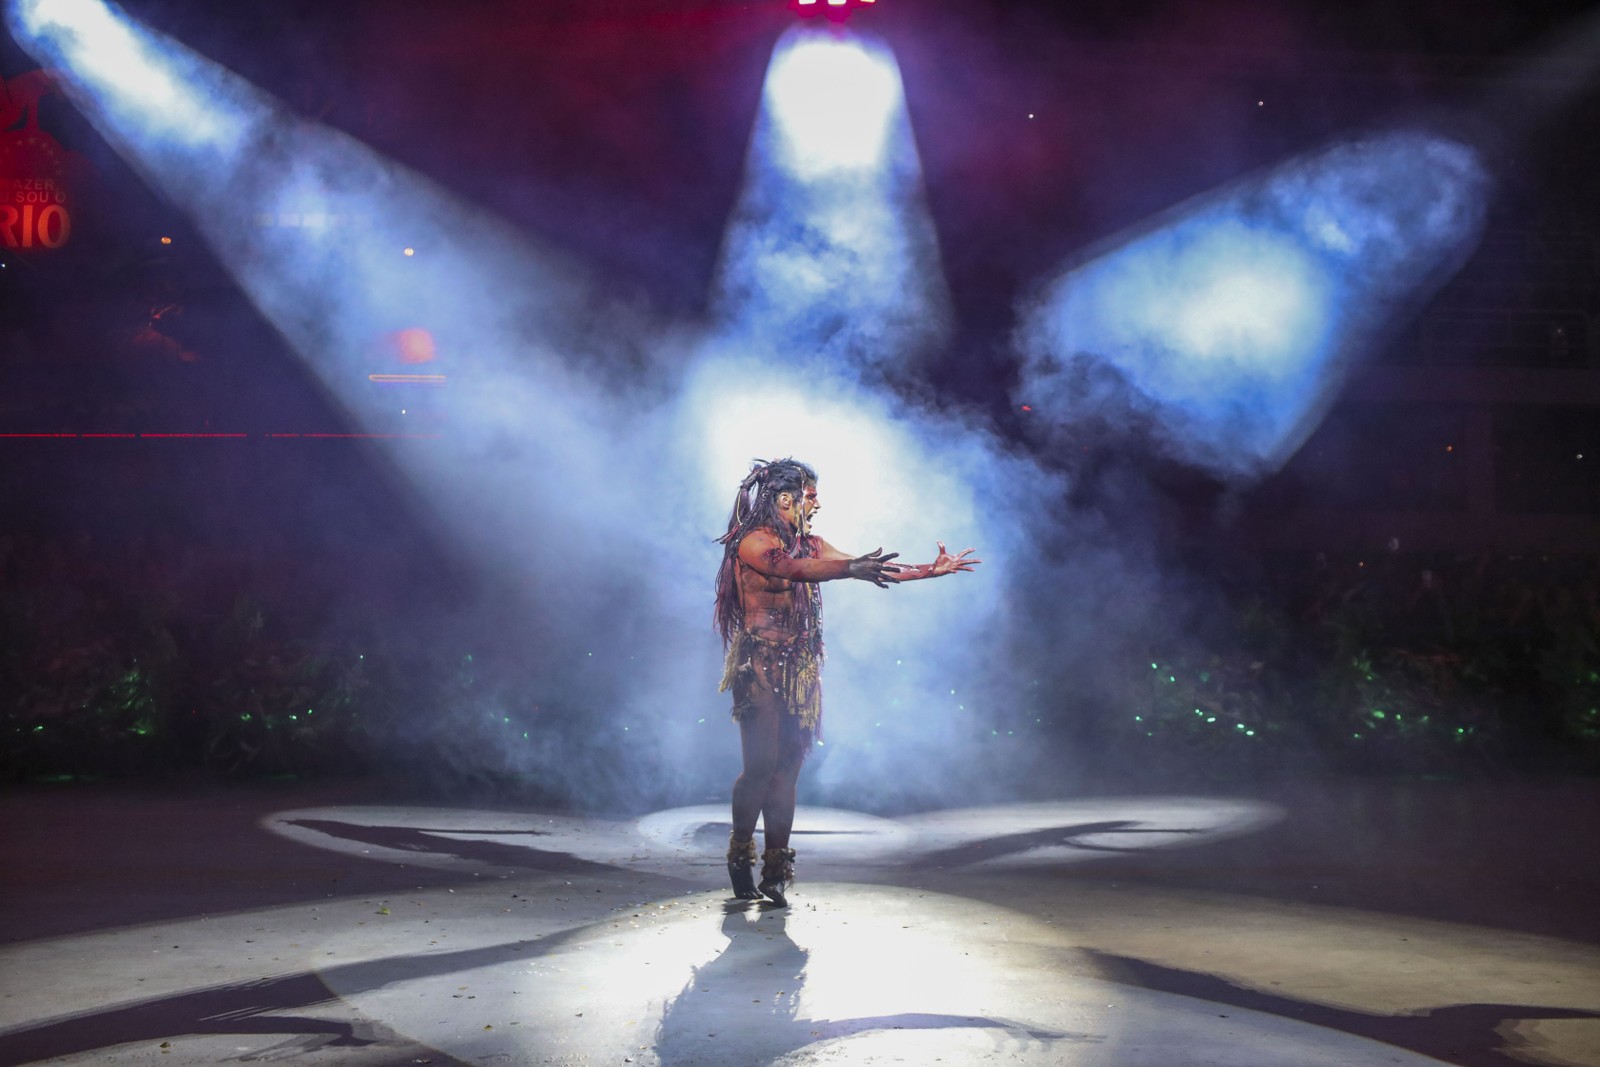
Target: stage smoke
<point x="829" y="289"/>
<point x="1226" y="327"/>
<point x="589" y="496"/>
<point x="586" y="453"/>
<point x="532" y="460"/>
<point x="830" y="259"/>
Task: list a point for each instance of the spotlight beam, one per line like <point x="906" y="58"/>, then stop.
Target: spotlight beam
<point x="544" y="478"/>
<point x="1232" y="320"/>
<point x="343" y="251"/>
<point x="830" y="247"/>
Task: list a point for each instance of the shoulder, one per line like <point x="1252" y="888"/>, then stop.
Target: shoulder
<point x="759" y="542"/>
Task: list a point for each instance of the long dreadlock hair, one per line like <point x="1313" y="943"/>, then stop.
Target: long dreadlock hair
<point x="755" y="507"/>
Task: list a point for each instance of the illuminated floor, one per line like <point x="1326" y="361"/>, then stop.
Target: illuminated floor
<point x="1340" y="925"/>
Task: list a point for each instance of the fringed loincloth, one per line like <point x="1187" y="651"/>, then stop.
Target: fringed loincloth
<point x="761" y="671"/>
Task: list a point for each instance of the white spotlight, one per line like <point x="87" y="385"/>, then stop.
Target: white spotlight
<point x="127" y="69"/>
<point x="833" y="99"/>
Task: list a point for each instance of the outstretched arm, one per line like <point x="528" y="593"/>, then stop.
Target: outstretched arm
<point x="944" y="564"/>
<point x="762" y="551"/>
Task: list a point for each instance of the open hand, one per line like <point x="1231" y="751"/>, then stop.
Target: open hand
<point x="875" y="567"/>
<point x="948" y="564"/>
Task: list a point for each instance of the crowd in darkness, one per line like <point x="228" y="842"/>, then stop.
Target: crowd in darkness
<point x="117" y="550"/>
<point x="223" y="600"/>
<point x="1508" y="641"/>
<point x="1521" y="601"/>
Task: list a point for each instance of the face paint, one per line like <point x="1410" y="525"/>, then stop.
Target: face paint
<point x="804" y="508"/>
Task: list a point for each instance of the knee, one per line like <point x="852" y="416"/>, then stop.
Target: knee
<point x="759" y="773"/>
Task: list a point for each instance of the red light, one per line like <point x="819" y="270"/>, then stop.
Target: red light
<point x="415" y="345"/>
<point x="834" y="10"/>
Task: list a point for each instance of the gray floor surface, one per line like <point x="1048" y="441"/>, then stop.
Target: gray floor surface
<point x="1342" y="923"/>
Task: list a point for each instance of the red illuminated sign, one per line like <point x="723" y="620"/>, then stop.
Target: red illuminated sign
<point x="35" y="170"/>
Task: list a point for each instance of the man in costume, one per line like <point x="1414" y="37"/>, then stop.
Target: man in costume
<point x="769" y="613"/>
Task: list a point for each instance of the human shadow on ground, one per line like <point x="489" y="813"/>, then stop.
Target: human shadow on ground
<point x="715" y="1019"/>
<point x="990" y="848"/>
<point x="428" y="841"/>
<point x="253" y="1007"/>
<point x="1468" y="1035"/>
<point x="270" y="1005"/>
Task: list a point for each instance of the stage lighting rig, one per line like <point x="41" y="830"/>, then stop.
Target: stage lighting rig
<point x="833" y="10"/>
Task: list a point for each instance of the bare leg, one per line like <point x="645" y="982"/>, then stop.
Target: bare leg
<point x="758" y="741"/>
<point x="777" y="809"/>
<point x="773" y="749"/>
<point x="777" y="814"/>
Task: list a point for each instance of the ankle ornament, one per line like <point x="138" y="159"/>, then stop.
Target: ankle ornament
<point x="741" y="868"/>
<point x="777" y="866"/>
<point x="741" y="853"/>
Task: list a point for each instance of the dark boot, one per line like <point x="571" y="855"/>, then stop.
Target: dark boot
<point x="777" y="874"/>
<point x="741" y="868"/>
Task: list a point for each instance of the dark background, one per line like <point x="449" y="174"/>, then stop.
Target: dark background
<point x="617" y="131"/>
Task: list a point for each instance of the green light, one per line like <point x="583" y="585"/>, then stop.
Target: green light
<point x="1377" y="713"/>
<point x="38" y="729"/>
<point x="1155" y="666"/>
<point x="1136" y="718"/>
<point x="1249" y="733"/>
<point x="1238" y="726"/>
<point x="245" y="717"/>
<point x="1355" y="735"/>
<point x="1211" y="718"/>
